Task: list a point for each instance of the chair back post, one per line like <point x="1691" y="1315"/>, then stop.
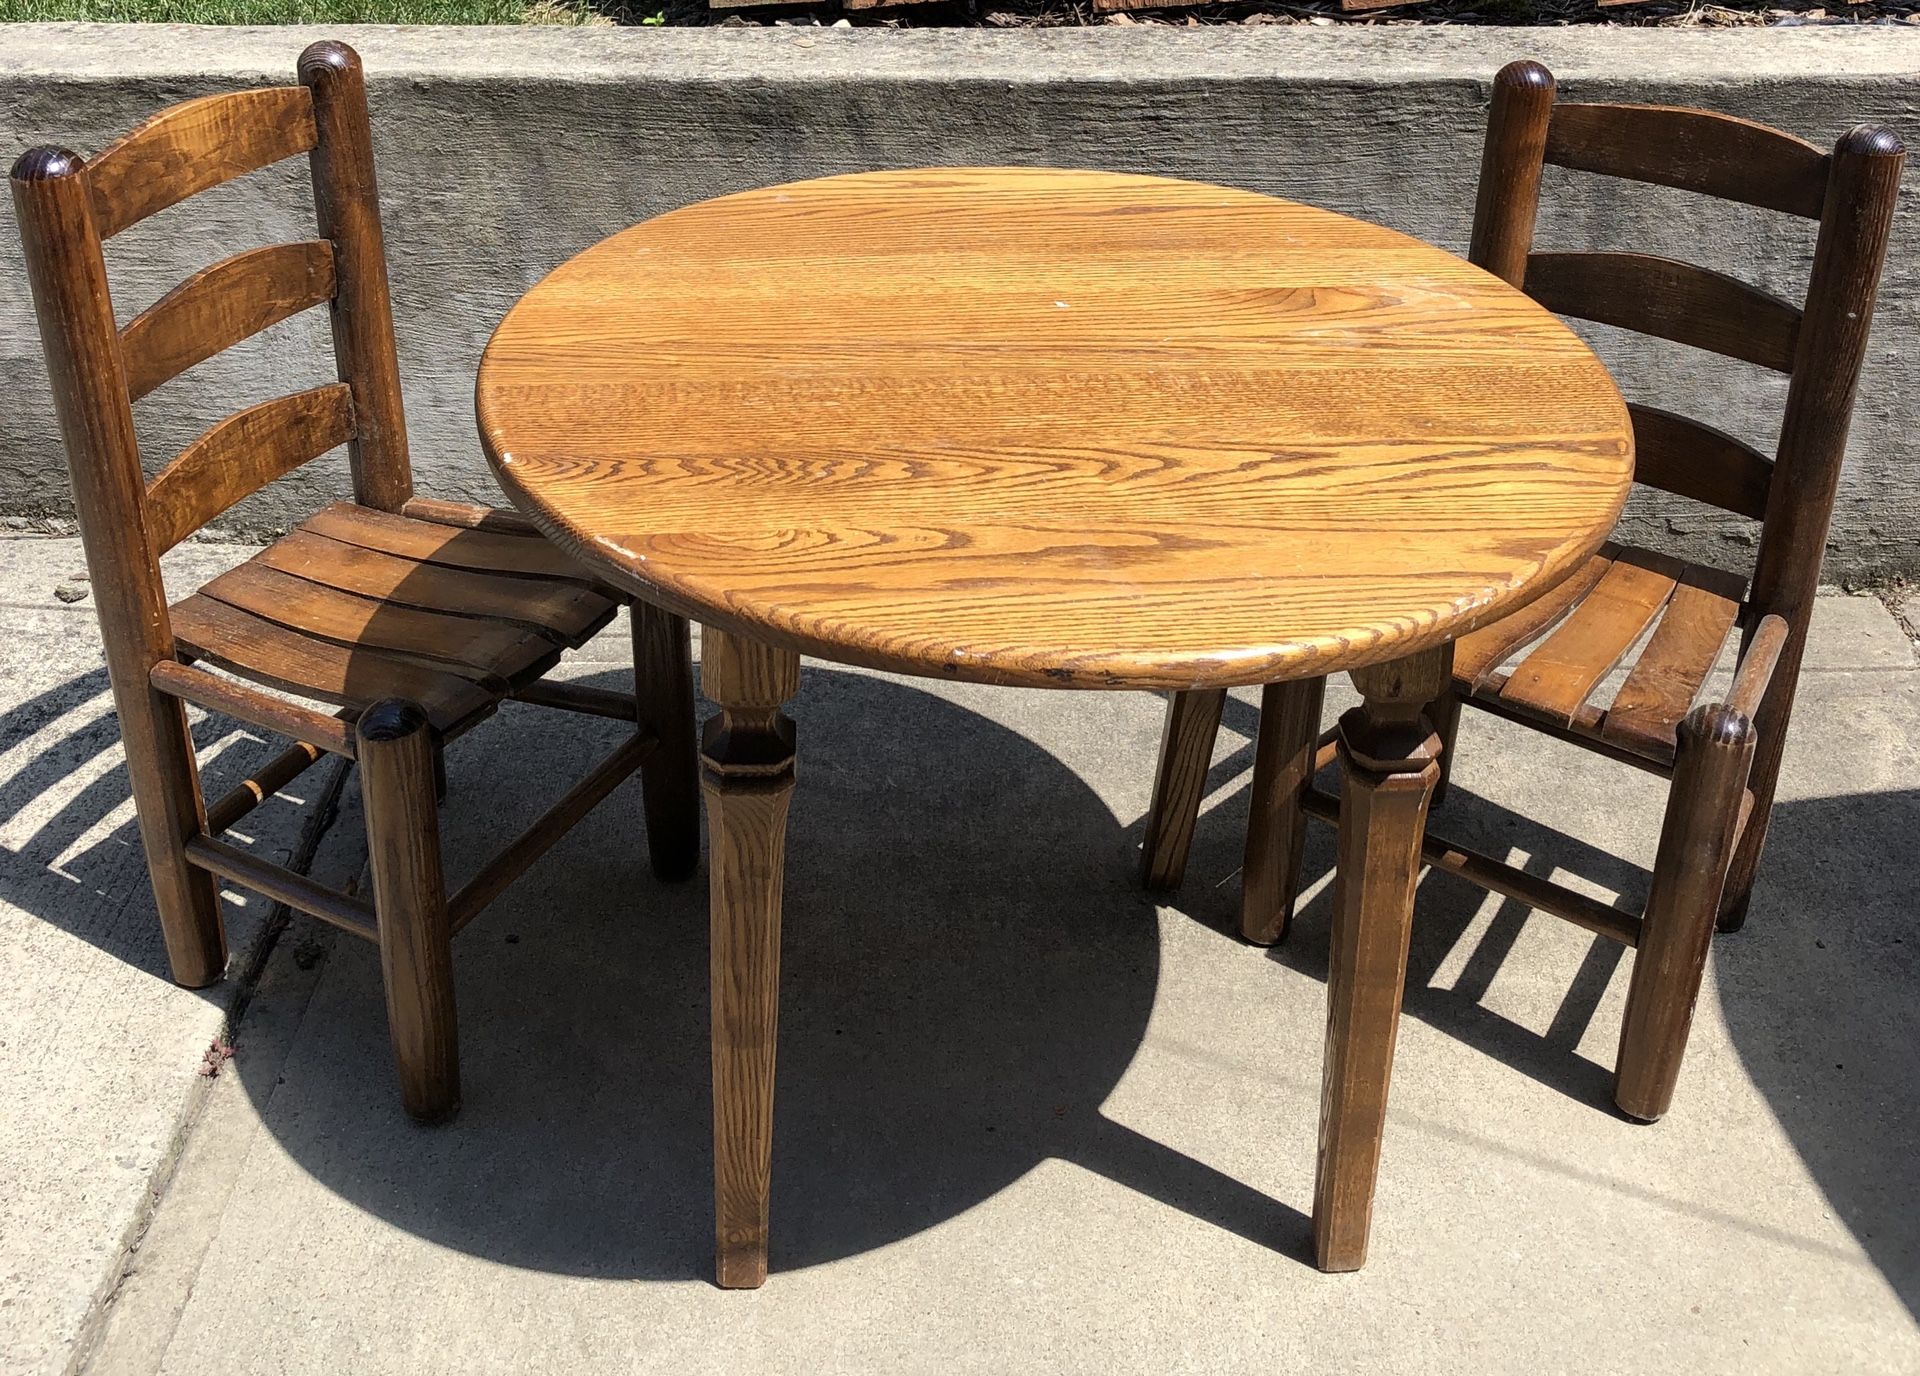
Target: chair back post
<point x="54" y="204"/>
<point x="1831" y="347"/>
<point x="348" y="202"/>
<point x="1509" y="197"/>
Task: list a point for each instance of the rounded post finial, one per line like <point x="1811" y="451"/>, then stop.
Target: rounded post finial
<point x="327" y="58"/>
<point x="46" y="163"/>
<point x="391" y="719"/>
<point x="1525" y="75"/>
<point x="1870" y="140"/>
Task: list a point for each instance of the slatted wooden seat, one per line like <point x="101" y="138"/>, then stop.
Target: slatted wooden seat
<point x="1677" y="615"/>
<point x="1660" y="625"/>
<point x="414" y="619"/>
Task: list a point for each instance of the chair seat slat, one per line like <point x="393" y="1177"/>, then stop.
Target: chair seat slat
<point x="1669" y="299"/>
<point x="221" y="305"/>
<point x="1477" y="656"/>
<point x="566" y="613"/>
<point x="497" y="654"/>
<point x="1553" y="682"/>
<point x="242" y="454"/>
<point x="482" y="550"/>
<point x="1645" y="714"/>
<point x="354" y="677"/>
<point x="190" y="147"/>
<point x="1693" y="150"/>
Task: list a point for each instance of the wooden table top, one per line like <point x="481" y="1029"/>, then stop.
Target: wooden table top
<point x="1069" y="429"/>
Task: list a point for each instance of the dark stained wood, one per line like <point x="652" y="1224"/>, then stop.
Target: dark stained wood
<point x="1556" y="678"/>
<point x="1602" y="919"/>
<point x="221" y="305"/>
<point x="266" y="652"/>
<point x="1857" y="219"/>
<point x="1694" y="150"/>
<point x="283" y="885"/>
<point x="1646" y="713"/>
<point x="242" y="454"/>
<point x="467" y="516"/>
<point x="1389" y="759"/>
<point x="473" y="606"/>
<point x="496" y="654"/>
<point x="187" y="148"/>
<point x="1754" y="676"/>
<point x="261" y="785"/>
<point x="1689" y="872"/>
<point x="1509" y="194"/>
<point x="1478" y="656"/>
<point x="429" y="543"/>
<point x="520" y="854"/>
<point x="747" y="776"/>
<point x="1668" y="299"/>
<point x="409" y="892"/>
<point x="348" y="200"/>
<point x="190" y="683"/>
<point x="670" y="780"/>
<point x="1170" y="401"/>
<point x="69" y="280"/>
<point x="576" y="697"/>
<point x="1684" y="456"/>
<point x="567" y="614"/>
<point x="1284" y="762"/>
<point x="1180" y="782"/>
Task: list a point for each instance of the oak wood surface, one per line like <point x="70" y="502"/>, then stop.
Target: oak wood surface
<point x="221" y="305"/>
<point x="1053" y="428"/>
<point x="187" y="148"/>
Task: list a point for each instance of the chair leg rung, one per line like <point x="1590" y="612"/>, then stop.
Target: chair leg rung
<point x="1602" y="919"/>
<point x="283" y="886"/>
<point x="574" y="697"/>
<point x="273" y="776"/>
<point x="557" y="821"/>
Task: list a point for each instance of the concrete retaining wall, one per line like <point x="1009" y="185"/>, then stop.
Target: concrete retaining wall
<point x="503" y="151"/>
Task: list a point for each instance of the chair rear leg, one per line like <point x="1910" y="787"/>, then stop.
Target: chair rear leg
<point x="1276" y="823"/>
<point x="670" y="779"/>
<point x="1444" y="713"/>
<point x="396" y="753"/>
<point x="1689" y="874"/>
<point x="1179" y="783"/>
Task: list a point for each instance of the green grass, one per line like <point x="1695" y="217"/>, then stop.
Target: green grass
<point x="301" y="11"/>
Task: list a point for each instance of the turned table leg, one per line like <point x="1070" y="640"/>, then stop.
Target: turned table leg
<point x="746" y="773"/>
<point x="1389" y="756"/>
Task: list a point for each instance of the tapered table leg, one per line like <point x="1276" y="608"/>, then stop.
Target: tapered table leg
<point x="1389" y="755"/>
<point x="1277" y="824"/>
<point x="747" y="776"/>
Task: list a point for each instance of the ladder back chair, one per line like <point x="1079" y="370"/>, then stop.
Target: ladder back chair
<point x="1544" y="666"/>
<point x="414" y="618"/>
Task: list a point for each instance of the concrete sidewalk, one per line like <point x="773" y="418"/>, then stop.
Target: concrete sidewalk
<point x="1028" y="1120"/>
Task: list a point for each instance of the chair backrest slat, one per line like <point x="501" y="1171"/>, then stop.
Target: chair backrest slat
<point x="191" y="147"/>
<point x="221" y="305"/>
<point x="1669" y="300"/>
<point x="242" y="453"/>
<point x="1693" y="150"/>
<point x="1678" y="454"/>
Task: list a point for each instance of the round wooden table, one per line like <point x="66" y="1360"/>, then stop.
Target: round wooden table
<point x="1053" y="429"/>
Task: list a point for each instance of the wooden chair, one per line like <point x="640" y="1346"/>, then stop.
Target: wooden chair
<point x="1543" y="666"/>
<point x="415" y="617"/>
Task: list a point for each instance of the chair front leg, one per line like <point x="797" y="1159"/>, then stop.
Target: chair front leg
<point x="1715" y="754"/>
<point x="396" y="749"/>
<point x="1179" y="783"/>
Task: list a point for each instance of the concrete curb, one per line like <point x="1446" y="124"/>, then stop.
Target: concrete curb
<point x="503" y="151"/>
